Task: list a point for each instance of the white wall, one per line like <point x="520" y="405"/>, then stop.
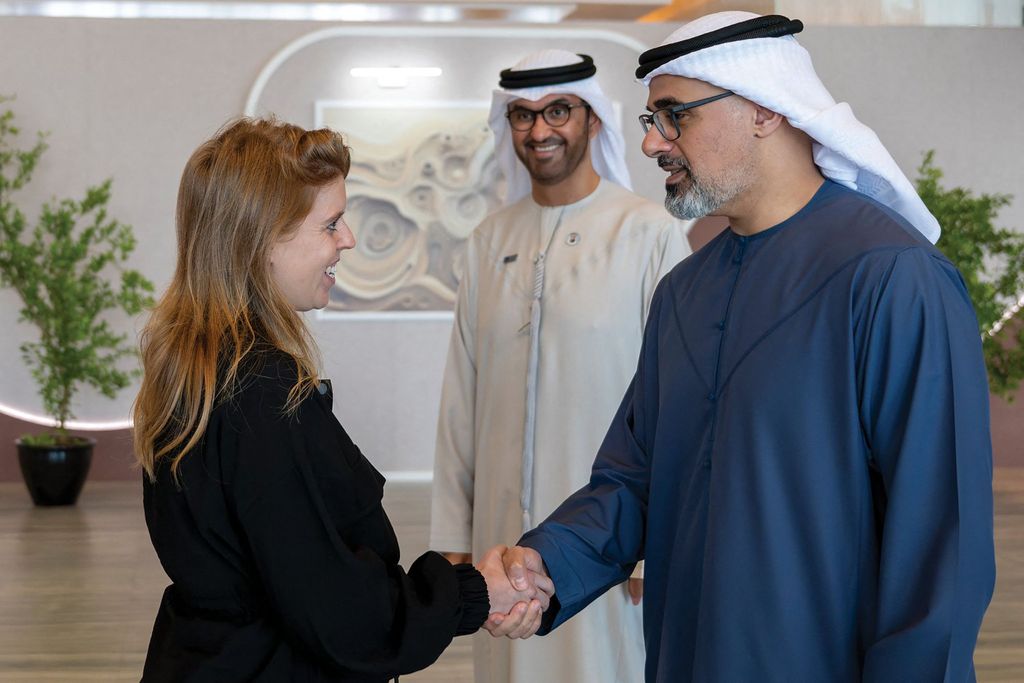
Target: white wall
<point x="132" y="99"/>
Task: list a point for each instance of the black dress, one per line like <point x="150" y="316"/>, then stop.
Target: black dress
<point x="285" y="566"/>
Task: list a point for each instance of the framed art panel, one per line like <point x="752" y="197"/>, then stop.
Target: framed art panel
<point x="423" y="176"/>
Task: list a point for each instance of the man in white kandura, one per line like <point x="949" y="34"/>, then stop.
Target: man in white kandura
<point x="548" y="324"/>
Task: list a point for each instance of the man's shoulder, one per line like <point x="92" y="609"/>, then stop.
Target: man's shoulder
<point x="616" y="195"/>
<point x="634" y="213"/>
<point x="843" y="228"/>
<point x="852" y="233"/>
<point x="503" y="217"/>
<point x="854" y="222"/>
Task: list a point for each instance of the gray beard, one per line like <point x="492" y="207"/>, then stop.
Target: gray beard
<point x="699" y="201"/>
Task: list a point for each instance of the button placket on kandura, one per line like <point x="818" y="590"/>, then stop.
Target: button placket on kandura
<point x="715" y="393"/>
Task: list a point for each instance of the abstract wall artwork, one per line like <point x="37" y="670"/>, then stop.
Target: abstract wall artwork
<point x="423" y="176"/>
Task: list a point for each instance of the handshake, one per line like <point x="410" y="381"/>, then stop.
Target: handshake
<point x="518" y="587"/>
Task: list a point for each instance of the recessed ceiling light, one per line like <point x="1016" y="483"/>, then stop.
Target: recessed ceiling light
<point x="395" y="76"/>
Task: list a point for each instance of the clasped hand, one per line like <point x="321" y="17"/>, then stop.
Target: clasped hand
<point x="519" y="590"/>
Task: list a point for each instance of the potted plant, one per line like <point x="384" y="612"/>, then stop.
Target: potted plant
<point x="68" y="271"/>
<point x="991" y="261"/>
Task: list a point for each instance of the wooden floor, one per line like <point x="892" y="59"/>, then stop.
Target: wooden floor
<point x="79" y="586"/>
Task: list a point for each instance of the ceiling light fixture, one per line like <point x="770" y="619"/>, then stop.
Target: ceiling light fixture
<point x="395" y="76"/>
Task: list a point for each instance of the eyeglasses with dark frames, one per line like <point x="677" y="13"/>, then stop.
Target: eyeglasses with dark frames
<point x="555" y="115"/>
<point x="667" y="120"/>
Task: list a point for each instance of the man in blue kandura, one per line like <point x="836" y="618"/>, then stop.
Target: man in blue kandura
<point x="803" y="456"/>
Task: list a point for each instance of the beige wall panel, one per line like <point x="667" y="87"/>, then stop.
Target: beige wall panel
<point x="132" y="98"/>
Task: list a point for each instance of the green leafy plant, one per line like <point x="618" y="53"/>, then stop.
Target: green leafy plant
<point x="991" y="260"/>
<point x="68" y="271"/>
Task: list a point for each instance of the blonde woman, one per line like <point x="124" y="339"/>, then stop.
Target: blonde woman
<point x="265" y="515"/>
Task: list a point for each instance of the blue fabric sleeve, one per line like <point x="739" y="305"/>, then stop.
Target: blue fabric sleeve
<point x="924" y="407"/>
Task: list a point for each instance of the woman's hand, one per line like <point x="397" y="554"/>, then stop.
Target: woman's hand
<point x="522" y="622"/>
<point x="514" y="613"/>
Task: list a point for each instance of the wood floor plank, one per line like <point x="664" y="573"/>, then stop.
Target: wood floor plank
<point x="79" y="586"/>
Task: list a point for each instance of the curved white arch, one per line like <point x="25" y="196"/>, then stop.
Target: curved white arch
<point x="256" y="91"/>
<point x="46" y="421"/>
<point x="1007" y="315"/>
<point x="419" y="31"/>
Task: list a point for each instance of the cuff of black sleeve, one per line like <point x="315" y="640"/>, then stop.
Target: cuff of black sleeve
<point x="475" y="603"/>
<point x="549" y="616"/>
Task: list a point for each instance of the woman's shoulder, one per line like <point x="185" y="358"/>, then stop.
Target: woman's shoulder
<point x="261" y="388"/>
<point x="253" y="422"/>
<point x="270" y="369"/>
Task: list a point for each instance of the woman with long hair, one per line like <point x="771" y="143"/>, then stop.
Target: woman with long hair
<point x="265" y="515"/>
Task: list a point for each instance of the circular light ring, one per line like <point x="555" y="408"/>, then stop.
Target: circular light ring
<point x="1007" y="315"/>
<point x="256" y="91"/>
<point x="84" y="425"/>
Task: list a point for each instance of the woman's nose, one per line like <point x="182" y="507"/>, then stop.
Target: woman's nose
<point x="345" y="238"/>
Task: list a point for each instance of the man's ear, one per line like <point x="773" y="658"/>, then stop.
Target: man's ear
<point x="766" y="121"/>
<point x="595" y="124"/>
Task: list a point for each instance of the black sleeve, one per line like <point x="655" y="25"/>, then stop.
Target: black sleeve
<point x="325" y="553"/>
<point x="475" y="603"/>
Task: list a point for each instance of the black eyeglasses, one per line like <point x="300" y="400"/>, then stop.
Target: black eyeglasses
<point x="667" y="120"/>
<point x="555" y="115"/>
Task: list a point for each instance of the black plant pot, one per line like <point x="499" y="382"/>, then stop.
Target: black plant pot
<point x="55" y="474"/>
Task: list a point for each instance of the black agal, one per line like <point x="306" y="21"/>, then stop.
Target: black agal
<point x="553" y="75"/>
<point x="771" y="26"/>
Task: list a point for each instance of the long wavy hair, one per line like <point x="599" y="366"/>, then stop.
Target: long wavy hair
<point x="249" y="186"/>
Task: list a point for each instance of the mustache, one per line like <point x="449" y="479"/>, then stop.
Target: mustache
<point x="667" y="163"/>
<point x="553" y="140"/>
